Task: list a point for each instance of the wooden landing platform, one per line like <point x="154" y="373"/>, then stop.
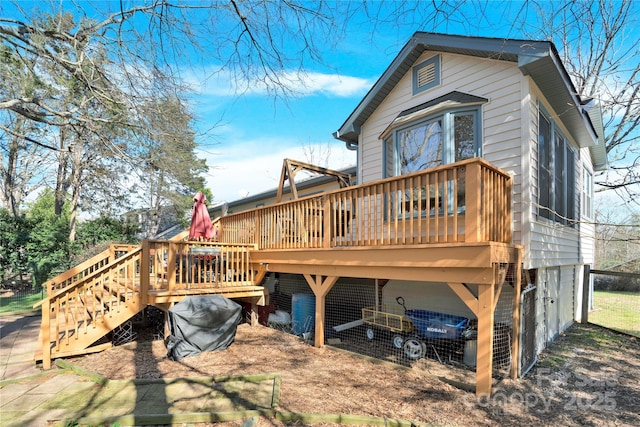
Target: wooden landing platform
<point x="259" y="294"/>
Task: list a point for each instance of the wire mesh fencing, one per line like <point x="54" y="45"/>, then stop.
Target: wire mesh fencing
<point x="20" y="298"/>
<point x="615" y="301"/>
<point x="416" y="324"/>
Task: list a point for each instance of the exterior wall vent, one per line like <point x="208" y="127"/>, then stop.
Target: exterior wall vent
<point x="426" y="74"/>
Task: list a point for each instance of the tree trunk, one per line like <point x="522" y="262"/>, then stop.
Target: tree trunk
<point x="76" y="183"/>
<point x="62" y="182"/>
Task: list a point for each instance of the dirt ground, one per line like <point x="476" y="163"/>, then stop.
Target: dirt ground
<point x="589" y="377"/>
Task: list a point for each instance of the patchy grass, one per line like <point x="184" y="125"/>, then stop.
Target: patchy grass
<point x="619" y="311"/>
<point x="10" y="304"/>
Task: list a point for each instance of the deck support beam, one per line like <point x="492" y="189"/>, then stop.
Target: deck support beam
<point x="515" y="339"/>
<point x="484" y="362"/>
<point x="320" y="285"/>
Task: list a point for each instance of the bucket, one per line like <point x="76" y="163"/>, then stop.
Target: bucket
<point x="303" y="313"/>
<point x="470" y="352"/>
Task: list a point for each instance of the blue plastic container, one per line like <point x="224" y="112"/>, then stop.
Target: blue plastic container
<point x="303" y="313"/>
<point x="431" y="324"/>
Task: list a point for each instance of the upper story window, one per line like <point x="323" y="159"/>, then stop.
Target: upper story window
<point x="556" y="173"/>
<point x="426" y="74"/>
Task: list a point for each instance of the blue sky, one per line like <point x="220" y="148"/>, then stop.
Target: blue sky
<point x="245" y="152"/>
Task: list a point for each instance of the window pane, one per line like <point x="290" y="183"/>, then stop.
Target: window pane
<point x="420" y="147"/>
<point x="389" y="166"/>
<point x="570" y="184"/>
<point x="560" y="179"/>
<point x="544" y="166"/>
<point x="464" y="136"/>
<point x="587" y="188"/>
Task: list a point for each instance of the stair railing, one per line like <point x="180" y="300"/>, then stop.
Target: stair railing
<point x="86" y="268"/>
<point x="90" y="301"/>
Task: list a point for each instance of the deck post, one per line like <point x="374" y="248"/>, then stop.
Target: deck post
<point x="171" y="266"/>
<point x="484" y="356"/>
<point x="586" y="288"/>
<point x="472" y="189"/>
<point x="320" y="289"/>
<point x="45" y="329"/>
<point x="515" y="341"/>
<point x="326" y="223"/>
<point x="145" y="263"/>
<point x="254" y="315"/>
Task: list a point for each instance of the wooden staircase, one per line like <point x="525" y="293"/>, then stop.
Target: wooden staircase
<point x="86" y="303"/>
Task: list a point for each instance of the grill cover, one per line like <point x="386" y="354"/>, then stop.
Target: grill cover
<point x="202" y="323"/>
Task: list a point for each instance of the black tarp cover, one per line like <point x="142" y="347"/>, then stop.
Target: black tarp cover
<point x="202" y="323"/>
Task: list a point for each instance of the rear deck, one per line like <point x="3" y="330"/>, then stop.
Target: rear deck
<point x="450" y="224"/>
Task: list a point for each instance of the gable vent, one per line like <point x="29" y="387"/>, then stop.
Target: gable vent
<point x="427" y="75"/>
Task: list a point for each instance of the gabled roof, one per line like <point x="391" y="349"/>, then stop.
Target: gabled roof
<point x="538" y="59"/>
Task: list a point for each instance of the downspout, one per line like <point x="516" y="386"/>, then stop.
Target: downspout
<point x="350" y="144"/>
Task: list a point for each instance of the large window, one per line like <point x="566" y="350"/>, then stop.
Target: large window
<point x="445" y="138"/>
<point x="556" y="173"/>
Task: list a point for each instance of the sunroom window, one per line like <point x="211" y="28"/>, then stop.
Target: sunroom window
<point x="556" y="173"/>
<point x="587" y="193"/>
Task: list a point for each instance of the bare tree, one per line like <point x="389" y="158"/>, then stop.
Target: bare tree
<point x="600" y="47"/>
<point x="77" y="81"/>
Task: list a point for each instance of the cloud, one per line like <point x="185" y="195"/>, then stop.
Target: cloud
<point x="223" y="83"/>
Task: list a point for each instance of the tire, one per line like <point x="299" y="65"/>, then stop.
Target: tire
<point x="414" y="348"/>
<point x="370" y="333"/>
<point x="398" y="341"/>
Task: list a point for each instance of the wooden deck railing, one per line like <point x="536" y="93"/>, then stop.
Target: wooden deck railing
<point x="178" y="265"/>
<point x="468" y="201"/>
<point x="93" y="298"/>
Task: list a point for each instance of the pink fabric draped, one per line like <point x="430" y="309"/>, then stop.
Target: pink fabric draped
<point x="201" y="226"/>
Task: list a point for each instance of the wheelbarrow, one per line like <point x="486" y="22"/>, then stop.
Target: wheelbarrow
<point x="430" y="327"/>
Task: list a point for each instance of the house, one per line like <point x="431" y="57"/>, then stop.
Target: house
<point x="447" y="98"/>
<point x="475" y="162"/>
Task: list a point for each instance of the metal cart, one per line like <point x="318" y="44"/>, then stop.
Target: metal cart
<point x="386" y="319"/>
